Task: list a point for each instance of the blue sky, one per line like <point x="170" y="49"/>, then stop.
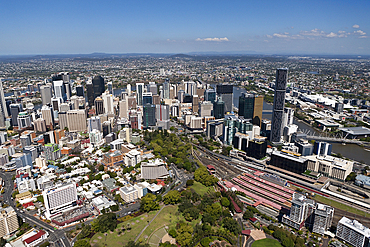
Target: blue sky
<point x="267" y="27"/>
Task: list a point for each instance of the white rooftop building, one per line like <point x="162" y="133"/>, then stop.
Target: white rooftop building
<point x="353" y="232"/>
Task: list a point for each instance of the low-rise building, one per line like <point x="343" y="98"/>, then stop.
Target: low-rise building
<point x="330" y="166"/>
<point x="129" y="193"/>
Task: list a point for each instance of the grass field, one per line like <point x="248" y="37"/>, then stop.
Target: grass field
<point x="200" y="188"/>
<point x="267" y="242"/>
<point x="339" y="205"/>
<point x="112" y="239"/>
<point x="169" y="217"/>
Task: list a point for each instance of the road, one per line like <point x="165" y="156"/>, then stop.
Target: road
<point x="57" y="237"/>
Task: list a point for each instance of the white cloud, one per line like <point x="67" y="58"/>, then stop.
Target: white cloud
<point x="213" y="39"/>
<point x="356" y="26"/>
<point x="332" y="35"/>
<point x="359" y="32"/>
<point x="269" y="36"/>
<point x="279" y="35"/>
<point x="362" y="37"/>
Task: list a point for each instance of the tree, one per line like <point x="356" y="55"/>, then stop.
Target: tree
<point x="2" y="242"/>
<point x="287" y="242"/>
<point x="189" y="182"/>
<point x="104" y="223"/>
<point x="81" y="243"/>
<point x="191" y="214"/>
<point x="225" y="202"/>
<point x="133" y="244"/>
<point x="101" y="168"/>
<point x="248" y="214"/>
<point x="205" y="242"/>
<point x="114" y="208"/>
<point x="148" y="203"/>
<point x="172" y="233"/>
<point x="201" y="175"/>
<point x="40" y="199"/>
<point x="232" y="225"/>
<point x="85" y="232"/>
<point x="172" y="197"/>
<point x="351" y="177"/>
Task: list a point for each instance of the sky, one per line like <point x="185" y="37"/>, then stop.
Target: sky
<point x="263" y="27"/>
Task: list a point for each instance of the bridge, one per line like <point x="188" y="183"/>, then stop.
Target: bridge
<point x="333" y="139"/>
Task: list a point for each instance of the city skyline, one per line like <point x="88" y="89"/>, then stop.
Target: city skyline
<point x="265" y="27"/>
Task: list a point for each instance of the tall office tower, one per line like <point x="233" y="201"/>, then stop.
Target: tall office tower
<point x="59" y="90"/>
<point x="55" y="103"/>
<point x="99" y="106"/>
<point x="210" y="95"/>
<point x="128" y="89"/>
<point x="338" y="107"/>
<point x="134" y="120"/>
<point x="98" y="85"/>
<point x="251" y="106"/>
<point x="226" y="92"/>
<point x="302" y="208"/>
<point x="131" y="102"/>
<point x="8" y="221"/>
<point x="75" y="102"/>
<point x="108" y="103"/>
<point x="172" y="92"/>
<point x="162" y="112"/>
<point x="58" y="134"/>
<point x="4" y="109"/>
<point x="353" y="232"/>
<point x="107" y="128"/>
<point x="139" y="93"/>
<point x="59" y="199"/>
<point x="110" y="87"/>
<point x="323" y="218"/>
<point x="152" y="87"/>
<point x="123" y="108"/>
<point x="322" y="148"/>
<point x="39" y="125"/>
<point x="46" y="94"/>
<point x="205" y="108"/>
<point x="279" y="102"/>
<point x="48" y="116"/>
<point x="90" y="94"/>
<point x="24" y="120"/>
<point x="166" y="89"/>
<point x="80" y="91"/>
<point x="180" y="95"/>
<point x="63" y="120"/>
<point x="149" y="115"/>
<point x="76" y="120"/>
<point x="195" y="103"/>
<point x="25" y="140"/>
<point x="156" y="99"/>
<point x="219" y="108"/>
<point x="64" y="77"/>
<point x="147" y="98"/>
<point x="15" y="109"/>
<point x="190" y="87"/>
<point x="94" y="123"/>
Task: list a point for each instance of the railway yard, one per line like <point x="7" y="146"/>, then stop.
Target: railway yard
<point x="269" y="190"/>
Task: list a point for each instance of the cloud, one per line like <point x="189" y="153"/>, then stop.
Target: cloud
<point x="213" y="39"/>
<point x="356" y="26"/>
<point x="269" y="36"/>
<point x="279" y="35"/>
<point x="359" y="32"/>
<point x="362" y="37"/>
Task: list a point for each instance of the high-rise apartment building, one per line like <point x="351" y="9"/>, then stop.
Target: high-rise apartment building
<point x="39" y="125"/>
<point x="59" y="199"/>
<point x="24" y="120"/>
<point x="108" y="103"/>
<point x="8" y="221"/>
<point x="139" y="93"/>
<point x="123" y="108"/>
<point x="301" y="209"/>
<point x="323" y="218"/>
<point x="279" y="103"/>
<point x="152" y="87"/>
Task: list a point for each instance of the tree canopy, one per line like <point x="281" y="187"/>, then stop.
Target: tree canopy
<point x="201" y="175"/>
<point x="148" y="203"/>
<point x="104" y="223"/>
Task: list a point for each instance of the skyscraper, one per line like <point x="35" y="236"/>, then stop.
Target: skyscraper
<point x="3" y="107"/>
<point x="94" y="123"/>
<point x="226" y="92"/>
<point x="147" y="98"/>
<point x="149" y="115"/>
<point x="139" y="93"/>
<point x="98" y="85"/>
<point x="46" y="94"/>
<point x="48" y="116"/>
<point x="90" y="94"/>
<point x="166" y="89"/>
<point x="219" y="109"/>
<point x="15" y="109"/>
<point x="210" y="95"/>
<point x="80" y="91"/>
<point x="279" y="102"/>
<point x="108" y="103"/>
<point x="99" y="106"/>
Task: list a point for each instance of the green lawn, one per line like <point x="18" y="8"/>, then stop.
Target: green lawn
<point x="113" y="239"/>
<point x="200" y="188"/>
<point x="169" y="216"/>
<point x="339" y="205"/>
<point x="266" y="242"/>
